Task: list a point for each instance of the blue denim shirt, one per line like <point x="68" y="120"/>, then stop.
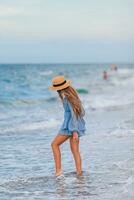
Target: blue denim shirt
<point x="71" y="123"/>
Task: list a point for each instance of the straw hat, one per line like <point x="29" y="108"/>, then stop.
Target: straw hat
<point x="59" y="83"/>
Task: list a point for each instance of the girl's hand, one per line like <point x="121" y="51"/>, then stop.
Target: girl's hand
<point x="75" y="136"/>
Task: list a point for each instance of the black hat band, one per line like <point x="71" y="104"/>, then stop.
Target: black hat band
<point x="56" y="85"/>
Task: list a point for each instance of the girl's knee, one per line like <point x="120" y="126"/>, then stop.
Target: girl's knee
<point x="54" y="144"/>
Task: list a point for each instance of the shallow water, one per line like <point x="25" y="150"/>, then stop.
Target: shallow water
<point x="30" y="118"/>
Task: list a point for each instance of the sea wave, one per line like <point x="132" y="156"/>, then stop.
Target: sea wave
<point x="25" y="101"/>
<point x="30" y="126"/>
<point x="46" y="73"/>
<point x="104" y="102"/>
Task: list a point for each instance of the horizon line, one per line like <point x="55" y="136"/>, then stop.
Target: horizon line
<point x="52" y="63"/>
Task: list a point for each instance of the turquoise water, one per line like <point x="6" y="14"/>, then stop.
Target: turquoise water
<point x="30" y="117"/>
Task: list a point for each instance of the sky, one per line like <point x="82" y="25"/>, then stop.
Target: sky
<point x="66" y="31"/>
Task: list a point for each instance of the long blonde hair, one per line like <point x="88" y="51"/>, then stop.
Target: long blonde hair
<point x="74" y="100"/>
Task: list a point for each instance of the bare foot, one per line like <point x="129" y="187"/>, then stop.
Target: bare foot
<point x="58" y="173"/>
<point x="79" y="173"/>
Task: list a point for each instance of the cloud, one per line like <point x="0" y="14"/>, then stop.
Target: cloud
<point x="50" y="21"/>
<point x="10" y="11"/>
<point x="50" y="26"/>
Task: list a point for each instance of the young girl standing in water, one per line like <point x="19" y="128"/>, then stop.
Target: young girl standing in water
<point x="73" y="126"/>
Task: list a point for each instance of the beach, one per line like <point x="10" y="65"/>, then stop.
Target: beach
<point x="31" y="115"/>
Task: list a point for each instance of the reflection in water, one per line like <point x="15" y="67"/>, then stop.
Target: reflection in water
<point x="76" y="186"/>
<point x="61" y="187"/>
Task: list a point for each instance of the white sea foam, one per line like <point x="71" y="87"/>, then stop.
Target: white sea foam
<point x="105" y="101"/>
<point x="116" y="92"/>
<point x="129" y="81"/>
<point x="123" y="133"/>
<point x="30" y="126"/>
<point x="129" y="186"/>
<point x="3" y="116"/>
<point x="124" y="77"/>
<point x="46" y="72"/>
<point x="126" y="164"/>
<point x="126" y="71"/>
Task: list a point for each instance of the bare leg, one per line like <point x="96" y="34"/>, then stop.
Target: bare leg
<point x="59" y="139"/>
<point x="74" y="145"/>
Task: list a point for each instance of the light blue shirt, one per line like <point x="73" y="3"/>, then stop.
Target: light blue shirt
<point x="71" y="123"/>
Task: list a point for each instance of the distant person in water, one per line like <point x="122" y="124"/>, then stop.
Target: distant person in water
<point x="114" y="67"/>
<point x="105" y="75"/>
<point x="73" y="126"/>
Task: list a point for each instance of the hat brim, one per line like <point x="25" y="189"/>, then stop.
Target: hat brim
<point x="67" y="84"/>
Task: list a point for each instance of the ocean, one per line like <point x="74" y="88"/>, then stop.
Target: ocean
<point x="31" y="115"/>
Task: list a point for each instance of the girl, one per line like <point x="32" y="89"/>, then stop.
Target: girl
<point x="73" y="126"/>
